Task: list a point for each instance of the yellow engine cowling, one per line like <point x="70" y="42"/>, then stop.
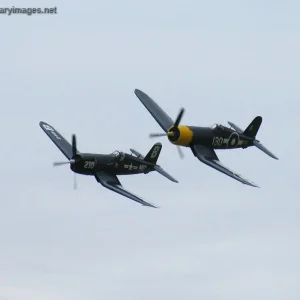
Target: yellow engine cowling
<point x="181" y="136"/>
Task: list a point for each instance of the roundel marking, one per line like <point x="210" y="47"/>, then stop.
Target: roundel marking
<point x="233" y="140"/>
<point x="48" y="127"/>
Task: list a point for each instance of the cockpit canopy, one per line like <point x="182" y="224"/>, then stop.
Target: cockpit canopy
<point x="118" y="155"/>
<point x="217" y="127"/>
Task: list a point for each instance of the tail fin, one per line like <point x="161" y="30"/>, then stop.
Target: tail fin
<point x="253" y="127"/>
<point x="152" y="157"/>
<point x="153" y="154"/>
<point x="251" y="131"/>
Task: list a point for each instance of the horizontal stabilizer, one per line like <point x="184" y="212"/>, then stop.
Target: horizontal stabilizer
<point x="264" y="149"/>
<point x="235" y="127"/>
<point x="164" y="173"/>
<point x="137" y="154"/>
<point x="156" y="167"/>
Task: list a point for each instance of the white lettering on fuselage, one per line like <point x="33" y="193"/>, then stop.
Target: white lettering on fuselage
<point x="130" y="167"/>
<point x="217" y="141"/>
<point x="142" y="167"/>
<point x="89" y="164"/>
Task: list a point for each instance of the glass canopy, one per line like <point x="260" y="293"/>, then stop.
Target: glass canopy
<point x="118" y="155"/>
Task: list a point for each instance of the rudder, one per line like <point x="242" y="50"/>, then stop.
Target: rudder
<point x="153" y="154"/>
<point x="253" y="127"/>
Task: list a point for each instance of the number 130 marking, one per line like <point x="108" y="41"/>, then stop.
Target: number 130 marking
<point x="217" y="141"/>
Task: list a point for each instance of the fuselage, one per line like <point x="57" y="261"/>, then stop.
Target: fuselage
<point x="220" y="137"/>
<point x="123" y="164"/>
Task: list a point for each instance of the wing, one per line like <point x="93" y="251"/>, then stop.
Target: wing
<point x="62" y="144"/>
<point x="157" y="113"/>
<point x="209" y="157"/>
<point x="112" y="183"/>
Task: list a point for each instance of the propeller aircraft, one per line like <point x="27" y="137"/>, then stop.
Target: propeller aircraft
<point x="106" y="167"/>
<point x="203" y="141"/>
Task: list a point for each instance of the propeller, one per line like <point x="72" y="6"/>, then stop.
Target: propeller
<point x="174" y="131"/>
<point x="179" y="117"/>
<point x="60" y="163"/>
<point x="157" y="134"/>
<point x="71" y="161"/>
<point x="180" y="152"/>
<point x="74" y="182"/>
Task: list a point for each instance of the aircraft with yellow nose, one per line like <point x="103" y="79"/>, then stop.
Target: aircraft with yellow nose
<point x="204" y="140"/>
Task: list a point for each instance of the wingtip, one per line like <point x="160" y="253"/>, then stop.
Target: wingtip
<point x="251" y="184"/>
<point x="150" y="205"/>
<point x="140" y="93"/>
<point x="173" y="180"/>
<point x="255" y="185"/>
<point x="42" y="123"/>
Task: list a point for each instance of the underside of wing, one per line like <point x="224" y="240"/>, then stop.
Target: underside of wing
<point x="209" y="157"/>
<point x="111" y="182"/>
<point x="158" y="114"/>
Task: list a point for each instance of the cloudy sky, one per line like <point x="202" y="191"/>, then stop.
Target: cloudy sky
<point x="213" y="237"/>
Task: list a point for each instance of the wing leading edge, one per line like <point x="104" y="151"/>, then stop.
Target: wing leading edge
<point x="61" y="143"/>
<point x="112" y="183"/>
<point x="157" y="113"/>
<point x="209" y="157"/>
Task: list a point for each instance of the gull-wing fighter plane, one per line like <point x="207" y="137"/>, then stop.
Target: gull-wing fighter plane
<point x="106" y="167"/>
<point x="204" y="140"/>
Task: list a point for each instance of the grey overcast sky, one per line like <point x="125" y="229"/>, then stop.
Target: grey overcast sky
<point x="213" y="237"/>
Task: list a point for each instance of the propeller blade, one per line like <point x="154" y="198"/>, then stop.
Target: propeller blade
<point x="157" y="134"/>
<point x="180" y="152"/>
<point x="74" y="146"/>
<point x="178" y="119"/>
<point x="60" y="163"/>
<point x="75" y="182"/>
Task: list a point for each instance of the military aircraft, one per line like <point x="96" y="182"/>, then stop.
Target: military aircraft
<point x="204" y="140"/>
<point x="105" y="167"/>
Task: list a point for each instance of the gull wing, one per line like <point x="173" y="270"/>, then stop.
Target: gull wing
<point x="209" y="157"/>
<point x="61" y="143"/>
<point x="111" y="182"/>
<point x="155" y="110"/>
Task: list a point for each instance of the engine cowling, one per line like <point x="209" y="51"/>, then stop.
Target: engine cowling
<point x="181" y="135"/>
